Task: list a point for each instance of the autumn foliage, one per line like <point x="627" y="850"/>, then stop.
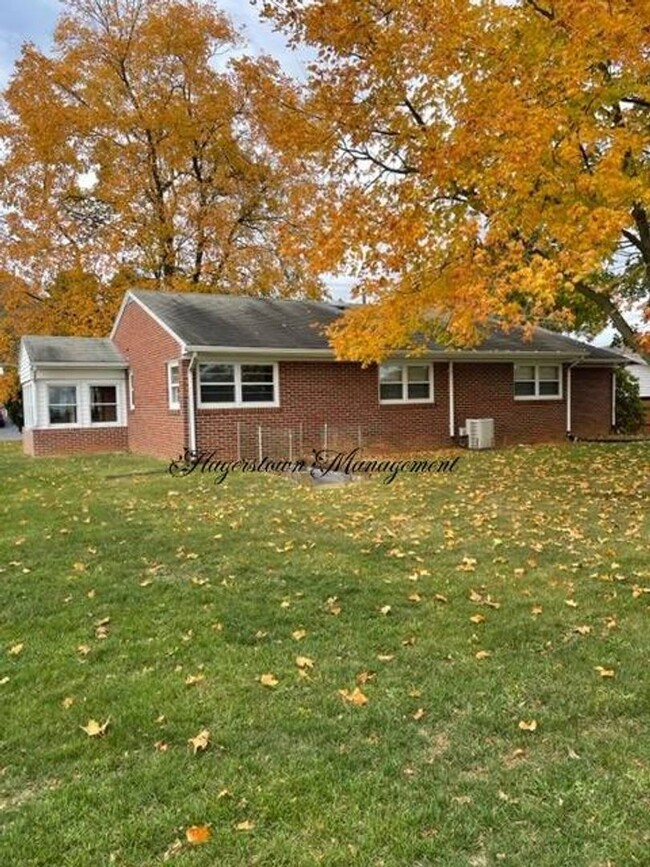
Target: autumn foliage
<point x="482" y="159"/>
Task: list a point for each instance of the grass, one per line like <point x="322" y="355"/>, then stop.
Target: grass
<point x="199" y="579"/>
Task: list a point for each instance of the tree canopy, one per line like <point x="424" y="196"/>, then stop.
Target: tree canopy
<point x="483" y="159"/>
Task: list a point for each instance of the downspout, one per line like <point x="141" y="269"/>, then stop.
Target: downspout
<point x="191" y="414"/>
<point x="614" y="399"/>
<point x="452" y="412"/>
<point x="568" y="396"/>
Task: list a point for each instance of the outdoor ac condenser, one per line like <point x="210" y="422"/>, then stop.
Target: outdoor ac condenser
<point x="480" y="433"/>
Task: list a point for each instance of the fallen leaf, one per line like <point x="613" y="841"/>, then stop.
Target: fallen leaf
<point x="246" y="825"/>
<point x="304" y="662"/>
<point x="385" y="657"/>
<point x="193" y="679"/>
<point x="571" y="603"/>
<point x="482" y="654"/>
<point x="197" y="834"/>
<point x="477" y="618"/>
<point x="582" y="630"/>
<point x="528" y="726"/>
<point x="385" y="609"/>
<point x="95" y="729"/>
<point x="84" y="649"/>
<point x="173" y="850"/>
<point x="4" y="680"/>
<point x="440" y="598"/>
<point x="269" y="680"/>
<point x="161" y="746"/>
<point x="419" y="713"/>
<point x="68" y="701"/>
<point x="364" y="677"/>
<point x="536" y="610"/>
<point x="299" y="634"/>
<point x="200" y="742"/>
<point x="414" y="597"/>
<point x="605" y="672"/>
<point x="16" y="649"/>
<point x="356" y="697"/>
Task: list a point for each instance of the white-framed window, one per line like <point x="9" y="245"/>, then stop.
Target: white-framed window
<point x="131" y="390"/>
<point x="538" y="381"/>
<point x="405" y="383"/>
<point x="103" y="404"/>
<point x="62" y="404"/>
<point x="173" y="385"/>
<point x="223" y="384"/>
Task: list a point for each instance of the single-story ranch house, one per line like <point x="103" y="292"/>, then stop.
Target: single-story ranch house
<point x="203" y="371"/>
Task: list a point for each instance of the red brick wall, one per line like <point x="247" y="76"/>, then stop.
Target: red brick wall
<point x="591" y="403"/>
<point x="153" y="428"/>
<point x="341" y="394"/>
<point x="487" y="391"/>
<point x="73" y="441"/>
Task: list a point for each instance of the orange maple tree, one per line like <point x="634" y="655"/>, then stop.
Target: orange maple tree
<point x="134" y="153"/>
<point x="481" y="159"/>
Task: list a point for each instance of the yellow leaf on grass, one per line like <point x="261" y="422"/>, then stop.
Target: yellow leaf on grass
<point x="364" y="677"/>
<point x="356" y="697"/>
<point x="197" y="834"/>
<point x="68" y="701"/>
<point x="536" y="610"/>
<point x="269" y="680"/>
<point x="193" y="679"/>
<point x="528" y="725"/>
<point x="385" y="657"/>
<point x="299" y="634"/>
<point x="84" y="649"/>
<point x="200" y="742"/>
<point x="483" y="654"/>
<point x="477" y="618"/>
<point x="582" y="630"/>
<point x="571" y="603"/>
<point x="16" y="649"/>
<point x="419" y="713"/>
<point x="246" y="825"/>
<point x="385" y="609"/>
<point x="605" y="672"/>
<point x="95" y="729"/>
<point x="304" y="662"/>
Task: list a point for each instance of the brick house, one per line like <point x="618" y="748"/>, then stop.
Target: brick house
<point x="242" y="375"/>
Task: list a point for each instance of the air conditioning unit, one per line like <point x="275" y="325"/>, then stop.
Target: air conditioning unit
<point x="480" y="433"/>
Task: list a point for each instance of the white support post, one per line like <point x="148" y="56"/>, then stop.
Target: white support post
<point x="325" y="437"/>
<point x="568" y="400"/>
<point x="290" y="444"/>
<point x="613" y="399"/>
<point x="259" y="441"/>
<point x="452" y="410"/>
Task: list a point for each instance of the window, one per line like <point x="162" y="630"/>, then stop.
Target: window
<point x="405" y="383"/>
<point x="234" y="384"/>
<point x="62" y="404"/>
<point x="538" y="381"/>
<point x="103" y="404"/>
<point x="131" y="391"/>
<point x="173" y="385"/>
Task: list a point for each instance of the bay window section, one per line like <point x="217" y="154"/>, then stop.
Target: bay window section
<point x="103" y="404"/>
<point x="62" y="404"/>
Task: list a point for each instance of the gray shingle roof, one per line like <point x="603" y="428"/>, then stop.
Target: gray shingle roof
<point x="72" y="350"/>
<point x="241" y="321"/>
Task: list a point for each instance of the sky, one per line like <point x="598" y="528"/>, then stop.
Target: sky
<point x="34" y="20"/>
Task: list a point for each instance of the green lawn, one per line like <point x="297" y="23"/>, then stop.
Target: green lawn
<point x="535" y="556"/>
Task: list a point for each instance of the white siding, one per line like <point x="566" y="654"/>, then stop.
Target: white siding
<point x="642" y="373"/>
<point x="83" y="378"/>
<point x="25" y="371"/>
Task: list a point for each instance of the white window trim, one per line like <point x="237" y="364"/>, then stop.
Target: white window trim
<point x="537" y="396"/>
<point x="131" y="387"/>
<point x="63" y="384"/>
<point x="173" y="404"/>
<point x="238" y="403"/>
<point x="95" y="424"/>
<point x="404" y="400"/>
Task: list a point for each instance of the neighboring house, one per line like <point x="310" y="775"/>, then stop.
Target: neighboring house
<point x="202" y="371"/>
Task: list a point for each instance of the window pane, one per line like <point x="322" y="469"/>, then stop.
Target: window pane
<point x="173" y="374"/>
<point x="418" y="391"/>
<point x="257" y="373"/>
<point x="388" y="391"/>
<point x="217" y="393"/>
<point x="549" y="373"/>
<point x="417" y="373"/>
<point x="63" y="394"/>
<point x="253" y="393"/>
<point x="63" y="414"/>
<point x="103" y="403"/>
<point x="524" y="372"/>
<point x="213" y="373"/>
<point x="103" y="394"/>
<point x="525" y="389"/>
<point x="390" y="373"/>
<point x="103" y="412"/>
<point x="549" y="388"/>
